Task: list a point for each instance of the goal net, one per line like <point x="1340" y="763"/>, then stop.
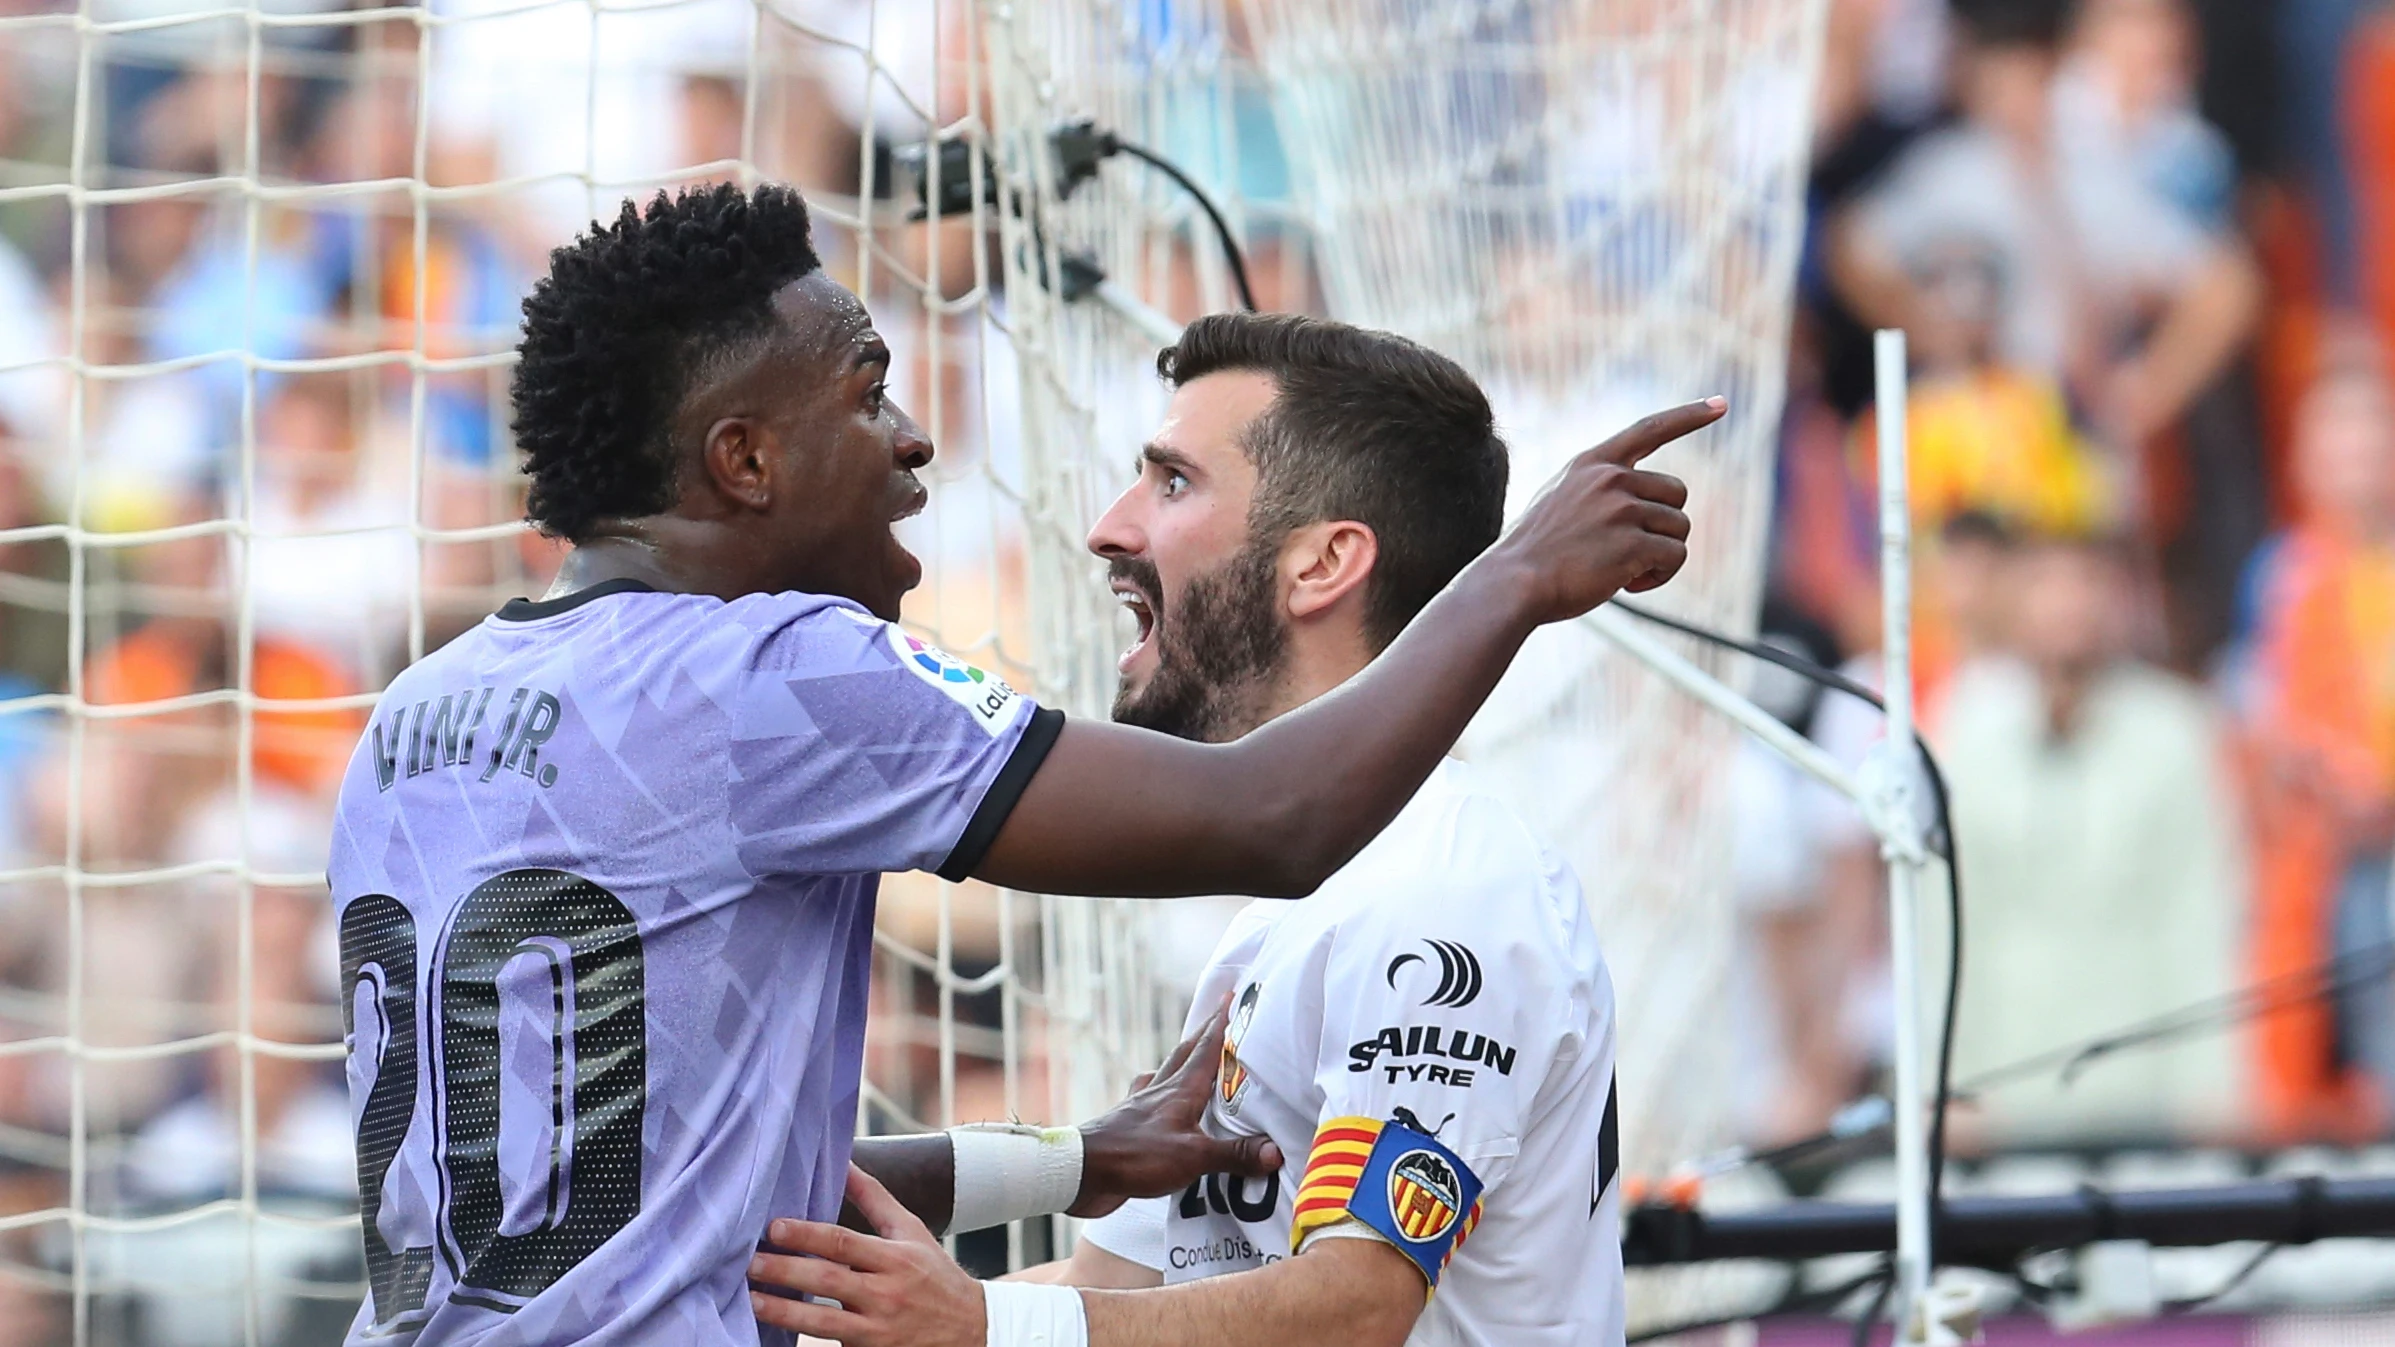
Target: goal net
<point x="259" y="265"/>
<point x="1596" y="206"/>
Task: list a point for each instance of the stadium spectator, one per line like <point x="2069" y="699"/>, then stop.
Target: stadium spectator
<point x="512" y="98"/>
<point x="32" y="400"/>
<point x="2315" y="47"/>
<point x="1845" y="933"/>
<point x="191" y="1152"/>
<point x="1883" y="68"/>
<point x="2126" y="91"/>
<point x="2318" y="698"/>
<point x="2092" y="256"/>
<point x="2100" y="853"/>
<point x="1990" y="444"/>
<point x="331" y="566"/>
<point x="1985" y="436"/>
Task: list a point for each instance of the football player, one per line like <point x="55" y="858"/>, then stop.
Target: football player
<point x="1428" y="1037"/>
<point x="605" y="865"/>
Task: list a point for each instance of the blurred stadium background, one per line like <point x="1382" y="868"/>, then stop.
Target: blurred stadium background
<point x="259" y="270"/>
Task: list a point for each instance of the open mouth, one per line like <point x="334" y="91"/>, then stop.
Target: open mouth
<point x="911" y="500"/>
<point x="912" y="497"/>
<point x="1143" y="613"/>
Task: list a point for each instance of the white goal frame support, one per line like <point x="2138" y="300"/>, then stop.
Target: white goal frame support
<point x="1883" y="790"/>
<point x="1903" y="850"/>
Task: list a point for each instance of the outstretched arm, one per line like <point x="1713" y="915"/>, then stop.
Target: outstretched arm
<point x="1091" y="1264"/>
<point x="1121" y="811"/>
<point x="2204" y="322"/>
<point x="1149" y="1145"/>
<point x="902" y="1288"/>
<point x="1339" y="1292"/>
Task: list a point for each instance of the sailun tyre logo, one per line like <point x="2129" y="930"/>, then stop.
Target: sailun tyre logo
<point x="1459" y="973"/>
<point x="1425" y="1197"/>
<point x="942" y="665"/>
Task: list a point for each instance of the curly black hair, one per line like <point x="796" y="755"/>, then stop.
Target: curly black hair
<point x="628" y="318"/>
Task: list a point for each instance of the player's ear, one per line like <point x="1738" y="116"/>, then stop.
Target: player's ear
<point x="1327" y="562"/>
<point x="736" y="459"/>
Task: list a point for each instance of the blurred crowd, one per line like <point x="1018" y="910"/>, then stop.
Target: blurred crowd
<point x="2145" y="250"/>
<point x="2140" y="247"/>
<point x="363" y="440"/>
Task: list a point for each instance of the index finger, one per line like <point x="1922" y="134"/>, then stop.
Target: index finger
<point x="1654" y="431"/>
<point x="1205" y="1055"/>
<point x="1191" y="1046"/>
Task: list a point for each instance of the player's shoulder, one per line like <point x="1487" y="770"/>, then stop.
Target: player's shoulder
<point x="1459" y="857"/>
<point x="823" y="630"/>
<point x="620" y="634"/>
<point x="779" y="631"/>
<point x="1457" y="827"/>
<point x="786" y="609"/>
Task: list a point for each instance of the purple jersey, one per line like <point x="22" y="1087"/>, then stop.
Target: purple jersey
<point x="605" y="869"/>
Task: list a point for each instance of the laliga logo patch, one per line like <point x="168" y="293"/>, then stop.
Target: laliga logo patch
<point x="1425" y="1198"/>
<point x="979" y="691"/>
<point x="1234" y="1072"/>
<point x="942" y="665"/>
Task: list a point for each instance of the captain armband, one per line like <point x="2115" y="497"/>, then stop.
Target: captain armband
<point x="1399" y="1182"/>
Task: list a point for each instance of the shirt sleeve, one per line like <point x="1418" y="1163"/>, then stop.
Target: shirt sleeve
<point x="859" y="748"/>
<point x="1133" y="1231"/>
<point x="1441" y="1018"/>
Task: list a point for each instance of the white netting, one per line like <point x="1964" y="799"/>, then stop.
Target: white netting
<point x="260" y="462"/>
<point x="1596" y="206"/>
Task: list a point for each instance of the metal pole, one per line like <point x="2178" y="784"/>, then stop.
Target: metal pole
<point x="1158" y="327"/>
<point x="1807" y="756"/>
<point x="1995" y="1232"/>
<point x="1904" y="953"/>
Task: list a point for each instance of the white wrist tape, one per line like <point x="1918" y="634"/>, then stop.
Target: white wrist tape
<point x="1022" y="1314"/>
<point x="1008" y="1171"/>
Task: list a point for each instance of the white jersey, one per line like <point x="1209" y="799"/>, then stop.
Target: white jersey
<point x="1430" y="1040"/>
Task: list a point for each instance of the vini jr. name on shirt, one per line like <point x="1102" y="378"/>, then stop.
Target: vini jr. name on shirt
<point x="442" y="733"/>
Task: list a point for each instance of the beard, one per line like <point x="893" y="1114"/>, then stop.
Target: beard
<point x="1217" y="653"/>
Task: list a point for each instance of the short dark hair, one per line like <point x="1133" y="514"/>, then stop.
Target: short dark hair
<point x="2107" y="543"/>
<point x="1982" y="526"/>
<point x="2037" y="24"/>
<point x="629" y="317"/>
<point x="1365" y="426"/>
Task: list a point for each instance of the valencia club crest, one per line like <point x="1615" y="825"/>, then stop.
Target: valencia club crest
<point x="1425" y="1198"/>
<point x="1234" y="1072"/>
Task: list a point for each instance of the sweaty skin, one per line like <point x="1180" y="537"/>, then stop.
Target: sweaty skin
<point x="795" y="465"/>
<point x="1180" y="523"/>
<point x="901" y="1289"/>
<point x="798" y="463"/>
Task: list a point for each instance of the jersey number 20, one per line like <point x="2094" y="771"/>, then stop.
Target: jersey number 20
<point x="567" y="953"/>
